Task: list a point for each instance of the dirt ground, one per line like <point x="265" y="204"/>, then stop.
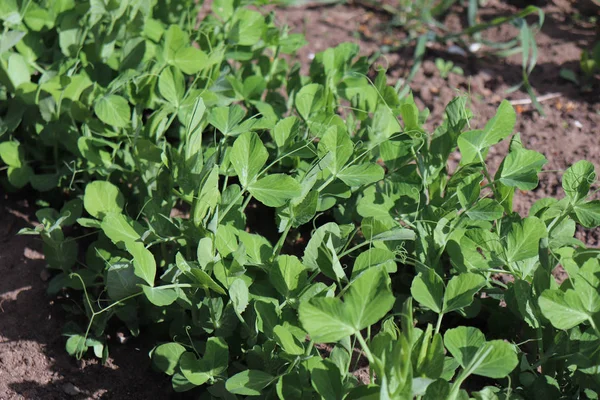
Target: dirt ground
<point x="33" y="362"/>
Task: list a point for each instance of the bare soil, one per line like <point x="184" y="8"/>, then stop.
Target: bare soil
<point x="33" y="362"/>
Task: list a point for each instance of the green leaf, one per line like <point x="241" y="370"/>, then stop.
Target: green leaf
<point x="190" y="60"/>
<point x="309" y="99"/>
<point x="175" y="40"/>
<point x="588" y="214"/>
<point x="160" y="297"/>
<point x="472" y="144"/>
<point x="486" y="210"/>
<point x="494" y="359"/>
<point x="363" y="174"/>
<point x="563" y="309"/>
<point x="275" y="190"/>
<point x="102" y="198"/>
<point x="520" y="169"/>
<point x="587" y="285"/>
<point x="577" y="180"/>
<point x="249" y="382"/>
<point x="113" y="110"/>
<point x="287" y="341"/>
<point x="523" y="240"/>
<point x="374" y="257"/>
<point x="214" y="362"/>
<point x="366" y="302"/>
<point x="247" y="27"/>
<point x="9" y="153"/>
<point x="238" y="292"/>
<point x="248" y="156"/>
<point x="171" y="85"/>
<point x="337" y="143"/>
<point x="287" y="275"/>
<point x="460" y="291"/>
<point x="121" y="281"/>
<point x="327" y="380"/>
<point x="428" y="289"/>
<point x="166" y="356"/>
<point x="119" y="231"/>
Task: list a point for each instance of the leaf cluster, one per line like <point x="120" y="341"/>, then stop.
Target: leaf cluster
<point x="277" y="231"/>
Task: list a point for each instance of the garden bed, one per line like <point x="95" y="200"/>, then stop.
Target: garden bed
<point x="33" y="362"/>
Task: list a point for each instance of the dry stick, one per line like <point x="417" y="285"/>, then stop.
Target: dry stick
<point x="545" y="97"/>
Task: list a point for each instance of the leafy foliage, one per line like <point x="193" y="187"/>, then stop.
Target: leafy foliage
<point x="121" y="112"/>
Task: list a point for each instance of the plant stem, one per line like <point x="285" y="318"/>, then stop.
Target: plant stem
<point x="281" y="240"/>
<point x="365" y="347"/>
<point x="438" y="325"/>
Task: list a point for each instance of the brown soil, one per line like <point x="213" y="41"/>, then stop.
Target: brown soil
<point x="33" y="362"/>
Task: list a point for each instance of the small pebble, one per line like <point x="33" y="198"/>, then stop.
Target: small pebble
<point x="71" y="389"/>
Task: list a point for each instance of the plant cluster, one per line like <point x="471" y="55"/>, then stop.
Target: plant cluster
<point x="317" y="229"/>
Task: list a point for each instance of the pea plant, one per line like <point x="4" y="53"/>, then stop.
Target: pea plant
<point x="287" y="235"/>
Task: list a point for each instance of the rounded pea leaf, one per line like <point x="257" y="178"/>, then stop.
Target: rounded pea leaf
<point x="577" y="180"/>
<point x="274" y="190"/>
<point x="494" y="359"/>
<point x="249" y="382"/>
<point x="563" y="309"/>
<point x="9" y="153"/>
<point x="190" y="60"/>
<point x="461" y="289"/>
<point x="366" y="302"/>
<point x="248" y="156"/>
<point x="166" y="356"/>
<point x="428" y="289"/>
<point x="113" y="110"/>
<point x="213" y="363"/>
<point x="101" y="198"/>
<point x="160" y="297"/>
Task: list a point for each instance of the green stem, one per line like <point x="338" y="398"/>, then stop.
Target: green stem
<point x="365" y="348"/>
<point x="438" y="325"/>
<point x="281" y="240"/>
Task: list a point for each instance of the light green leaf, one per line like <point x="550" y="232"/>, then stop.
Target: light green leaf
<point x="113" y="110"/>
<point x="160" y="297"/>
<point x="588" y="214"/>
<point x="166" y="356"/>
<point x="494" y="359"/>
<point x="374" y="257"/>
<point x="190" y="60"/>
<point x="287" y="341"/>
<point x="563" y="309"/>
<point x="247" y="27"/>
<point x="309" y="99"/>
<point x="175" y="40"/>
<point x="171" y="85"/>
<point x="366" y="302"/>
<point x="577" y="180"/>
<point x="238" y="292"/>
<point x="362" y="174"/>
<point x="486" y="210"/>
<point x="249" y="382"/>
<point x="460" y="291"/>
<point x="587" y="285"/>
<point x="473" y="144"/>
<point x="336" y="142"/>
<point x="248" y="156"/>
<point x="214" y="362"/>
<point x="521" y="168"/>
<point x="275" y="190"/>
<point x="9" y="153"/>
<point x="287" y="275"/>
<point x="102" y="198"/>
<point x="118" y="229"/>
<point x="428" y="289"/>
<point x="524" y="239"/>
